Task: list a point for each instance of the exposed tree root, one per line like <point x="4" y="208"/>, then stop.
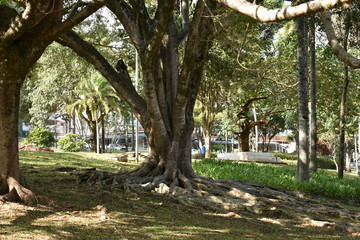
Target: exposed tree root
<point x="234" y="196"/>
<point x="18" y="193"/>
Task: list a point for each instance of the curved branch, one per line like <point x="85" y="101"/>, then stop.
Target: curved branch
<point x="335" y="45"/>
<point x="161" y="23"/>
<point x="263" y="14"/>
<point x="18" y="24"/>
<point x="35" y="25"/>
<point x="75" y="18"/>
<point x="119" y="80"/>
<point x="123" y="12"/>
<point x="248" y="102"/>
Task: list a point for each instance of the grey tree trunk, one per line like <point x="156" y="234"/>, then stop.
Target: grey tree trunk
<point x="165" y="109"/>
<point x="348" y="156"/>
<point x="342" y="145"/>
<point x="302" y="171"/>
<point x="313" y="127"/>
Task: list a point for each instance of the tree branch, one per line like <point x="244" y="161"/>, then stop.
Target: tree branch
<point x="246" y="105"/>
<point x="125" y="14"/>
<point x="263" y="14"/>
<point x="119" y="80"/>
<point x="40" y="21"/>
<point x="161" y="23"/>
<point x="334" y="43"/>
<point x="75" y="18"/>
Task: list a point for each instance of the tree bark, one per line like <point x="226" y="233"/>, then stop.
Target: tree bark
<point x="245" y="139"/>
<point x="348" y="156"/>
<point x="342" y="145"/>
<point x="263" y="14"/>
<point x="165" y="110"/>
<point x="37" y="26"/>
<point x="313" y="127"/>
<point x="302" y="171"/>
<point x="11" y="78"/>
<point x="207" y="137"/>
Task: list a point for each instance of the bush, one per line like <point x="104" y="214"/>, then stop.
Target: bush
<point x="322" y="161"/>
<point x="71" y="142"/>
<point x="325" y="163"/>
<point x="287" y="156"/>
<point x="39" y="137"/>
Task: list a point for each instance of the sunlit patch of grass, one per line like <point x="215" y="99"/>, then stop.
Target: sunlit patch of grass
<point x="322" y="183"/>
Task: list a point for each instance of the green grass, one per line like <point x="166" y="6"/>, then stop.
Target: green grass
<point x="322" y="183"/>
<point x="75" y="212"/>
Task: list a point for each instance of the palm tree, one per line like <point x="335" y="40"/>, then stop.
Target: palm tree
<point x="94" y="99"/>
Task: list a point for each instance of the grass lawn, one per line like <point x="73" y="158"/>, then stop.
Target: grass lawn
<point x="79" y="211"/>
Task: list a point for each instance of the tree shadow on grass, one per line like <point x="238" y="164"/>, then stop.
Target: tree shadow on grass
<point x="77" y="212"/>
<point x="122" y="222"/>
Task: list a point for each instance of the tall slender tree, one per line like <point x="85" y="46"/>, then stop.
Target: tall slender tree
<point x="302" y="171"/>
<point x="342" y="144"/>
<point x="313" y="126"/>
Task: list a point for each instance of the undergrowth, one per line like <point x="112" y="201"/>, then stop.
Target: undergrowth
<point x="322" y="183"/>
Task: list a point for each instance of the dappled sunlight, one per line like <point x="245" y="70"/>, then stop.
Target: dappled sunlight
<point x="270" y="220"/>
<point x="82" y="211"/>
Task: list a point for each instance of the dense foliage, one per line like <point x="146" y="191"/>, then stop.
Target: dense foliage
<point x="39" y="137"/>
<point x="71" y="143"/>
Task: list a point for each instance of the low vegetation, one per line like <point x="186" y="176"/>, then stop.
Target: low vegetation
<point x="69" y="210"/>
<point x="71" y="143"/>
<point x="322" y="183"/>
<point x="39" y="137"/>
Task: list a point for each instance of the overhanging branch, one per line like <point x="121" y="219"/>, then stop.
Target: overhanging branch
<point x="264" y="14"/>
<point x="335" y="45"/>
<point x="119" y="80"/>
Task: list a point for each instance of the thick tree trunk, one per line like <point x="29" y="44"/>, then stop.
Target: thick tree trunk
<point x="10" y="84"/>
<point x="165" y="107"/>
<point x="23" y="38"/>
<point x="303" y="154"/>
<point x="245" y="139"/>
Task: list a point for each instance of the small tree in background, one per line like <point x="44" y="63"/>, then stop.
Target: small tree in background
<point x="39" y="137"/>
<point x="71" y="143"/>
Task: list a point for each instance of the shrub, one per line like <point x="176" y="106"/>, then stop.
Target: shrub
<point x="217" y="147"/>
<point x="322" y="161"/>
<point x="202" y="155"/>
<point x="325" y="163"/>
<point x="39" y="137"/>
<point x="71" y="142"/>
<point x="287" y="156"/>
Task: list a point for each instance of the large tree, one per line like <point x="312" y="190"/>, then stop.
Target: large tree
<point x="171" y="77"/>
<point x="26" y="29"/>
<point x="165" y="109"/>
